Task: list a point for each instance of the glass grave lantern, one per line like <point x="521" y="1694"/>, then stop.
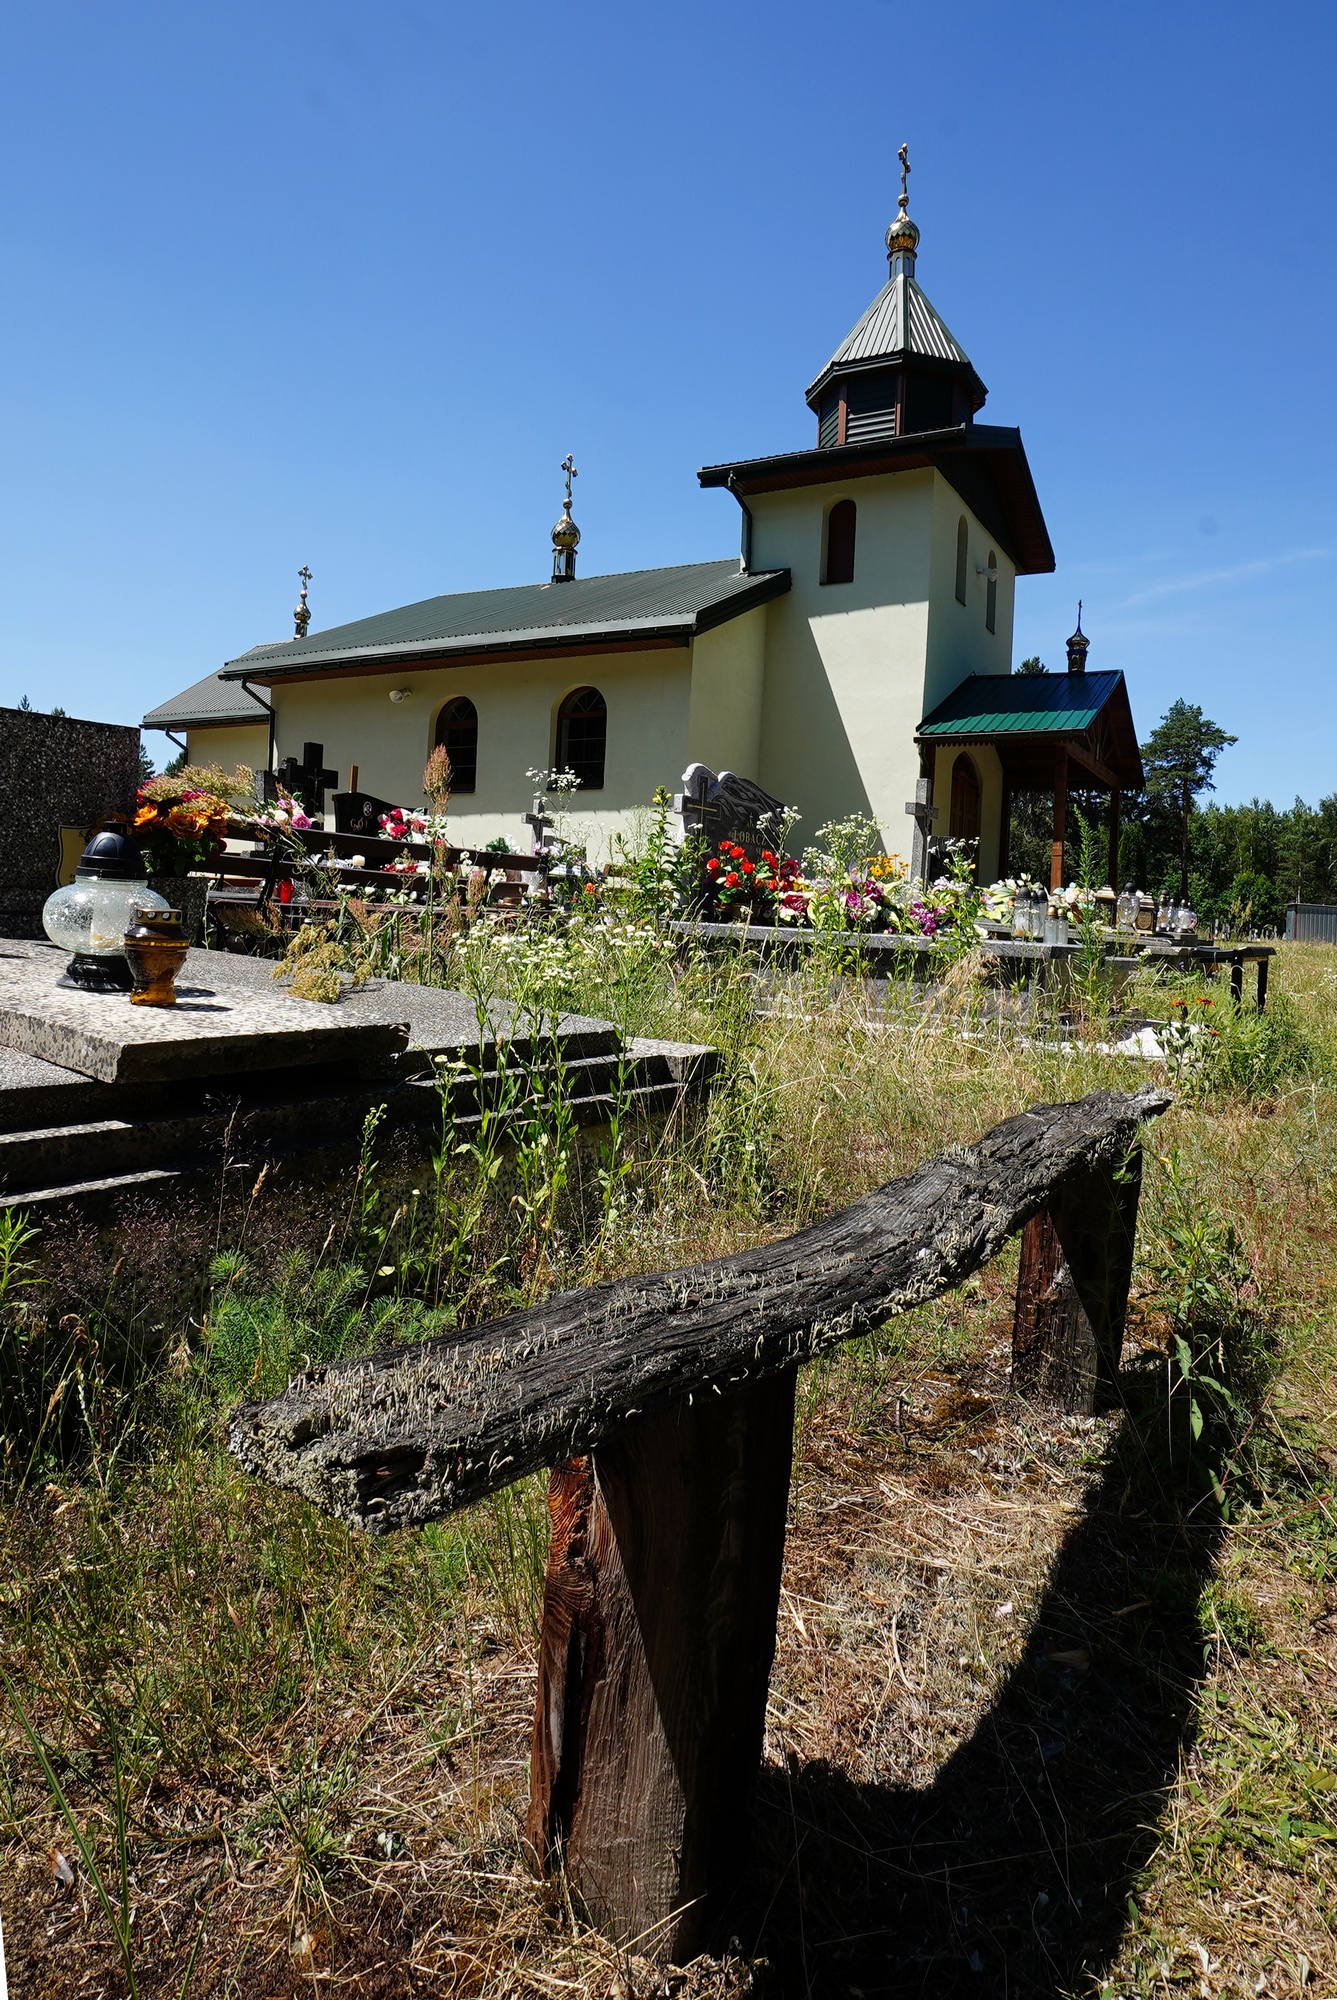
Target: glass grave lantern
<point x="90" y="916"/>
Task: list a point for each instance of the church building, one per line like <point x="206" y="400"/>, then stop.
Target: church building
<point x="856" y="658"/>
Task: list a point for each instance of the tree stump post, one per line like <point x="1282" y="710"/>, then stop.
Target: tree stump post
<point x="659" y="1620"/>
<point x="1072" y="1289"/>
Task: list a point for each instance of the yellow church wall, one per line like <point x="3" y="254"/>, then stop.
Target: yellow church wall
<point x="959" y="640"/>
<point x="728" y="683"/>
<point x="648" y="696"/>
<point x="224" y="744"/>
<point x="845" y="662"/>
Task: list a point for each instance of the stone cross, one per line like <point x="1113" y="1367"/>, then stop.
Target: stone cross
<point x="923" y="811"/>
<point x="309" y="780"/>
<point x="539" y="822"/>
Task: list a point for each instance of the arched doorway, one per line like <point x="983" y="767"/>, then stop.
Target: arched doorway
<point x="965" y="820"/>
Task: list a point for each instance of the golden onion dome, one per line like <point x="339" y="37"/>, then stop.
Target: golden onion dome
<point x="902" y="235"/>
<point x="566" y="534"/>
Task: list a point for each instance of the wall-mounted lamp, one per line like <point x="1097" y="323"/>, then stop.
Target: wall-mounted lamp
<point x="399" y="694"/>
<point x="981" y="569"/>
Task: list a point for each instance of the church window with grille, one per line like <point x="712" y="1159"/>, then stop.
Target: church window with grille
<point x="962" y="558"/>
<point x="840" y="530"/>
<point x="457" y="733"/>
<point x="582" y="737"/>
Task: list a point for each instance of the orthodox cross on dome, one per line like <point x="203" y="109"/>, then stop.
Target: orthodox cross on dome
<point x="1078" y="646"/>
<point x="903" y="237"/>
<point x="566" y="535"/>
<point x="301" y="616"/>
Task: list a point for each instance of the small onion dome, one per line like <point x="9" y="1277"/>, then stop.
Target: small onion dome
<point x="566" y="534"/>
<point x="1078" y="647"/>
<point x="903" y="234"/>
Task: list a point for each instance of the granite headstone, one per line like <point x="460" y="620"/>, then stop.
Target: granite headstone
<point x="61" y="779"/>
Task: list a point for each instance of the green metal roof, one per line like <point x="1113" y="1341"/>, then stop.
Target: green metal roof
<point x="209" y="704"/>
<point x="1022" y="705"/>
<point x="676" y="603"/>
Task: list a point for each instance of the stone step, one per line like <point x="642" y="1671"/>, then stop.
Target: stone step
<point x="330" y="1154"/>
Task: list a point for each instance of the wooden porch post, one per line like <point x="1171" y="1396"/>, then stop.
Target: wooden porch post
<point x="659" y="1616"/>
<point x="1113" y="877"/>
<point x="1005" y="829"/>
<point x="1060" y="817"/>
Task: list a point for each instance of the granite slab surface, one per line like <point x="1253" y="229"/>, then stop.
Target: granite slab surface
<point x="217" y="1027"/>
<point x="442" y="1020"/>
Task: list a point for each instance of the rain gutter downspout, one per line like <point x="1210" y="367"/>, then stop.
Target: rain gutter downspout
<point x="247" y="689"/>
<point x="746" y="552"/>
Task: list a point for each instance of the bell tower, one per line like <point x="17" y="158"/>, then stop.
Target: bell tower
<point x="900" y="370"/>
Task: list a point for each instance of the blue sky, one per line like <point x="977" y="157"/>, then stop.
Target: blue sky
<point x="342" y="284"/>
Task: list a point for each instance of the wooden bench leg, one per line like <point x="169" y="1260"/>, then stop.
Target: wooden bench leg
<point x="1262" y="984"/>
<point x="659" y="1621"/>
<point x="1237" y="979"/>
<point x="1072" y="1290"/>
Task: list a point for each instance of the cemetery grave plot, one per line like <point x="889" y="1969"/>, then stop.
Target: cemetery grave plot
<point x="101" y="1101"/>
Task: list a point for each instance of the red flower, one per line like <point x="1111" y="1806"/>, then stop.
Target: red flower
<point x="712" y="866"/>
<point x="749" y="868"/>
<point x="731" y="880"/>
<point x="590" y="889"/>
<point x="767" y="856"/>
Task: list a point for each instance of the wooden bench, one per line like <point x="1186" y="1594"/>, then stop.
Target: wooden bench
<point x="664" y="1407"/>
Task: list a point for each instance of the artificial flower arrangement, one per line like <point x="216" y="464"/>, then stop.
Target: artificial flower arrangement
<point x="181" y="821"/>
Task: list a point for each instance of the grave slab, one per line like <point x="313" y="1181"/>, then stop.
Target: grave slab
<point x="216" y="1028"/>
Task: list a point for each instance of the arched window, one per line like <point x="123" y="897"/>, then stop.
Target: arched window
<point x="582" y="737"/>
<point x="965" y="820"/>
<point x="991" y="595"/>
<point x="457" y="729"/>
<point x="962" y="556"/>
<point x="840" y="526"/>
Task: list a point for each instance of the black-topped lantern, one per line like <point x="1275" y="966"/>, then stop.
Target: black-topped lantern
<point x="91" y="915"/>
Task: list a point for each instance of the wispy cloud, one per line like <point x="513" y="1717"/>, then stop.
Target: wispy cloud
<point x="1205" y="579"/>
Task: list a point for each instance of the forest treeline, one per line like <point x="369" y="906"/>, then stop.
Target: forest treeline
<point x="1246" y="862"/>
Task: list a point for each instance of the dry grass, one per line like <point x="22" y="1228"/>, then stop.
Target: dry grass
<point x="1042" y="1722"/>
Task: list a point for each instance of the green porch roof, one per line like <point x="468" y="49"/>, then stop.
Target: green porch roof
<point x="1022" y="705"/>
<point x="1012" y="711"/>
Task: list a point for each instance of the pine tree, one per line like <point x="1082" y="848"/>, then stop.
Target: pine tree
<point x="1179" y="759"/>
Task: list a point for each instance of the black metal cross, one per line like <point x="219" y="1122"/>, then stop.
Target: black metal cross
<point x="309" y="780"/>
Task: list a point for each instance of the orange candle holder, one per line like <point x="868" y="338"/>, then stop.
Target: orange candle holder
<point x="155" y="949"/>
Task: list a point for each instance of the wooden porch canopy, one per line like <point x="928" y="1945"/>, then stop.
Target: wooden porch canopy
<point x="1048" y="730"/>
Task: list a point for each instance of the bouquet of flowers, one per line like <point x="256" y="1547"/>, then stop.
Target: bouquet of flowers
<point x="180" y="821"/>
<point x="284" y="816"/>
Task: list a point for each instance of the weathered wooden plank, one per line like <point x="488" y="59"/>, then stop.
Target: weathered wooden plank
<point x="408" y="1436"/>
